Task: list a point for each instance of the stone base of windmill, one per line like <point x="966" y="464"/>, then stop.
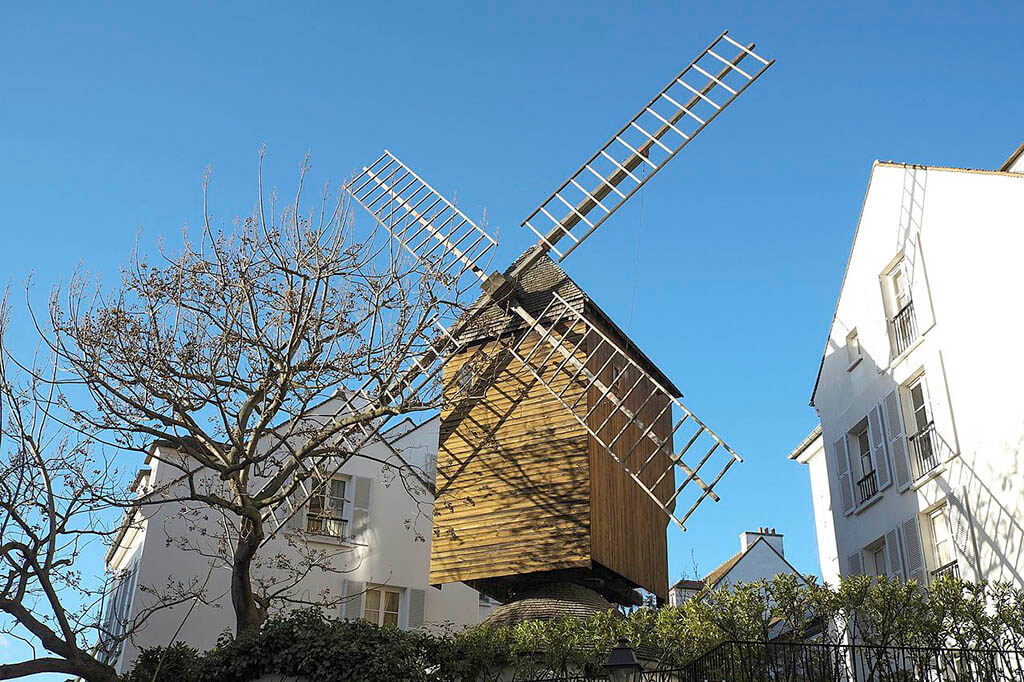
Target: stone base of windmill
<point x="548" y="601"/>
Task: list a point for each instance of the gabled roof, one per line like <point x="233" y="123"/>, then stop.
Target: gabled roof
<point x="534" y="289"/>
<point x="896" y="164"/>
<point x="712" y="579"/>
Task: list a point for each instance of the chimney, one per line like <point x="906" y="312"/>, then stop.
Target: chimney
<point x="771" y="537"/>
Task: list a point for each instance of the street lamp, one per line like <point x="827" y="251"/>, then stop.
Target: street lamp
<point x="621" y="663"/>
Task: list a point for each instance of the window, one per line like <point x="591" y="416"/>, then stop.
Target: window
<point x="864" y="448"/>
<point x="902" y="322"/>
<point x="465" y="378"/>
<point x="923" y="439"/>
<point x="330" y="509"/>
<point x="879" y="560"/>
<point x="867" y="485"/>
<point x="901" y="294"/>
<point x="942" y="543"/>
<point x="382" y="605"/>
<point x="853" y="351"/>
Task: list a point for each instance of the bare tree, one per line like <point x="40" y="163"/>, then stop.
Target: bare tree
<point x="56" y="491"/>
<point x="262" y="353"/>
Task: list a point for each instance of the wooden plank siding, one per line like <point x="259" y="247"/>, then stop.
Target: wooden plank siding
<point x="627" y="528"/>
<point x="513" y="474"/>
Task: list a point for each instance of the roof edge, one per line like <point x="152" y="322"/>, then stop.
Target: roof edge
<point x="1005" y="168"/>
<point x="807" y="442"/>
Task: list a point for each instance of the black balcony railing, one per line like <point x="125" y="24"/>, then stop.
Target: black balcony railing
<point x="952" y="570"/>
<point x="867" y="487"/>
<point x="904" y="327"/>
<point x="925" y="450"/>
<point x="817" y="662"/>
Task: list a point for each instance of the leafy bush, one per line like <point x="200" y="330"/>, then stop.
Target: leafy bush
<point x="876" y="612"/>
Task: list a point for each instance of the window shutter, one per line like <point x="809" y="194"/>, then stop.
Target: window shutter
<point x="912" y="550"/>
<point x="417" y="608"/>
<point x="960" y="527"/>
<point x="897" y="440"/>
<point x="856" y="564"/>
<point x="352" y="607"/>
<point x="843" y="468"/>
<point x="877" y="441"/>
<point x="892" y="553"/>
<point x="918" y="283"/>
<point x="361" y="508"/>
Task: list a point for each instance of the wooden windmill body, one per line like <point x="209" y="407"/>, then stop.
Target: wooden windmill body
<point x="557" y="456"/>
<point x="524" y="492"/>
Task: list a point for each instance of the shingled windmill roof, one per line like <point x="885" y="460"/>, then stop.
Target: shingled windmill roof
<point x="534" y="289"/>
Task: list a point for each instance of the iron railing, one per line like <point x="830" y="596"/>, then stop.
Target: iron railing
<point x="818" y="662"/>
<point x="904" y="328"/>
<point x="952" y="569"/>
<point x="925" y="450"/>
<point x="867" y="487"/>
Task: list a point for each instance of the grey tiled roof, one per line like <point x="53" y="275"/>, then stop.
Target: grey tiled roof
<point x="535" y="289"/>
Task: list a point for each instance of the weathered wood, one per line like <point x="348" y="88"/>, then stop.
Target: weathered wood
<point x="513" y="475"/>
<point x="523" y="488"/>
<point x="627" y="528"/>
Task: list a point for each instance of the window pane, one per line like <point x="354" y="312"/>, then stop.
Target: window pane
<point x="371" y="616"/>
<point x="390" y="619"/>
<point x="373" y="600"/>
<point x="391" y="601"/>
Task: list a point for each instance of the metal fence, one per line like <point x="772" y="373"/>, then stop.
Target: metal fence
<point x="816" y="662"/>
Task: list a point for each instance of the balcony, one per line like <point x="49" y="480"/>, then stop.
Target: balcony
<point x="319" y="524"/>
<point x="952" y="570"/>
<point x="867" y="487"/>
<point x="924" y="449"/>
<point x="904" y="328"/>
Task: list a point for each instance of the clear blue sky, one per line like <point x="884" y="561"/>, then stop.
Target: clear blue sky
<point x="110" y="113"/>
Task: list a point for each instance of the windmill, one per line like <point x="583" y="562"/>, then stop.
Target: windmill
<point x="557" y="458"/>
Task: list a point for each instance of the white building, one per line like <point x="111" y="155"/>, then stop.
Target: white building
<point x="378" y="532"/>
<point x="761" y="557"/>
<point x="917" y="467"/>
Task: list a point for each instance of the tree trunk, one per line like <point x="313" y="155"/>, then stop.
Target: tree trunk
<point x="249" y="614"/>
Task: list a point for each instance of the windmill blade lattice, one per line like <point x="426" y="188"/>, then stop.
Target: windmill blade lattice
<point x="436" y="233"/>
<point x="643" y="146"/>
<point x="572" y="352"/>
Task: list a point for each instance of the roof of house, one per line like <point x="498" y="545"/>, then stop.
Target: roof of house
<point x="712" y="579"/>
<point x="535" y="289"/>
<point x="897" y="164"/>
<point x="806" y="442"/>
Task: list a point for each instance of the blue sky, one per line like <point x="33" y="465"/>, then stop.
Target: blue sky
<point x="111" y="112"/>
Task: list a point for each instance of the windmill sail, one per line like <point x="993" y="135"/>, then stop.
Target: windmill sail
<point x="643" y="146"/>
<point x="573" y="353"/>
<point x="436" y="233"/>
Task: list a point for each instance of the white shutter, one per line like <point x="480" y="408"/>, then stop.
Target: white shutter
<point x="417" y="608"/>
<point x="361" y="509"/>
<point x="352" y="607"/>
<point x="892" y="553"/>
<point x="897" y="440"/>
<point x="877" y="443"/>
<point x="913" y="260"/>
<point x="855" y="564"/>
<point x="843" y="469"/>
<point x="960" y="527"/>
<point x="913" y="553"/>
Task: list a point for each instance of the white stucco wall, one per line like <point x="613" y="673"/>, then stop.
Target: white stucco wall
<point x="394" y="551"/>
<point x="963" y="235"/>
<point x="757" y="563"/>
